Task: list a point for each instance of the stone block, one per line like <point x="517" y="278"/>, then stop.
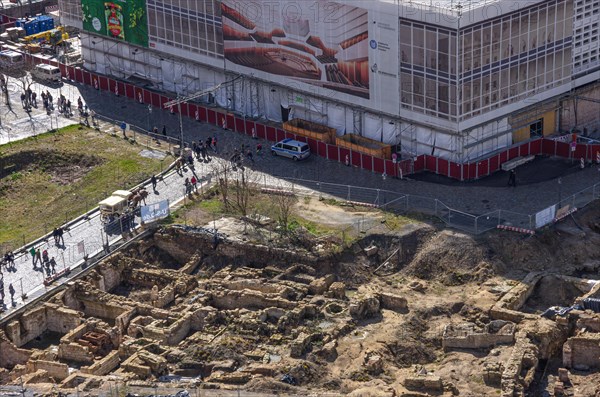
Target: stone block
<point x="393" y="302"/>
<point x="320" y="285"/>
<point x="366" y="307"/>
<point x="563" y="375"/>
<point x="337" y="290"/>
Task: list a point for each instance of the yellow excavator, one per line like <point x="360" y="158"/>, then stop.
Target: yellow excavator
<point x="51" y="37"/>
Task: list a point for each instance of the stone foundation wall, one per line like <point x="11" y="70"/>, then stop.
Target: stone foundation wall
<point x="104" y="366"/>
<point x="58" y="371"/>
<point x="582" y="352"/>
<point x="10" y="355"/>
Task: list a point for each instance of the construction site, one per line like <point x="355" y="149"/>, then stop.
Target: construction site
<point x="414" y="311"/>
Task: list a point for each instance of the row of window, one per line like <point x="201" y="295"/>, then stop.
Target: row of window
<point x="189" y="29"/>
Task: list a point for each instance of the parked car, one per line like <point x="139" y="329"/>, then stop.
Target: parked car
<point x="291" y="148"/>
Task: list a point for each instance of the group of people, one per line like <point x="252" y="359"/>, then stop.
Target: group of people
<point x="57" y="234"/>
<point x="9" y="261"/>
<point x="191" y="184"/>
<point x="42" y="257"/>
<point x="28" y="99"/>
<point x="47" y="100"/>
<point x="64" y="106"/>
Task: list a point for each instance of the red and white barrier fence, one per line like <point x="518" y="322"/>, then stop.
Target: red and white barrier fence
<point x="516" y="229"/>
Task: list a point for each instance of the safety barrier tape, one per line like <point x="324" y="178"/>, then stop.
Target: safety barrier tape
<point x="516" y="229"/>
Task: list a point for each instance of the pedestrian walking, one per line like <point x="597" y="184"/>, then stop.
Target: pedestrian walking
<point x="93" y="116"/>
<point x="34" y="99"/>
<point x="194" y="182"/>
<point x="164" y="130"/>
<point x="155" y="131"/>
<point x="512" y="178"/>
<point x="254" y="134"/>
<point x="55" y="235"/>
<point x="45" y="257"/>
<point x="53" y="265"/>
<point x="249" y="155"/>
<point x="154" y="182"/>
<point x="9" y="260"/>
<point x="259" y="149"/>
<point x="61" y="239"/>
<point x="32" y="251"/>
<point x="194" y="146"/>
<point x="11" y="291"/>
<point x="187" y="185"/>
<point x="38" y="256"/>
<point x="214" y="144"/>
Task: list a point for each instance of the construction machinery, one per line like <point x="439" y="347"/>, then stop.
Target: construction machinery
<point x="51" y="37"/>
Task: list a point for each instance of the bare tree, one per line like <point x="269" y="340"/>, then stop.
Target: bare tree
<point x="244" y="186"/>
<point x="284" y="202"/>
<point x="222" y="173"/>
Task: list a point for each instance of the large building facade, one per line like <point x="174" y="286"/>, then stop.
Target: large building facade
<point x="446" y="78"/>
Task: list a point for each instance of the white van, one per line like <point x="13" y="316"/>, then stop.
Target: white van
<point x="46" y="72"/>
<point x="290" y="148"/>
<point x="11" y="59"/>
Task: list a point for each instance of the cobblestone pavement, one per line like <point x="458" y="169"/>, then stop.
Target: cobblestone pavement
<point x="16" y="123"/>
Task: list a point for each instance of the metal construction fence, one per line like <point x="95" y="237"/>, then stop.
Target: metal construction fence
<point x="409" y="203"/>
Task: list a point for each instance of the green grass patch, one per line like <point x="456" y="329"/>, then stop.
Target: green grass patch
<point x="54" y="177"/>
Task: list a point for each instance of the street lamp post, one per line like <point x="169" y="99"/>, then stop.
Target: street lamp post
<point x="559" y="192"/>
<point x="149" y="115"/>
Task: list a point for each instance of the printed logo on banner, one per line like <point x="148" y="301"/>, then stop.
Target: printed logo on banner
<point x="155" y="211"/>
<point x="197" y="114"/>
<point x="373" y="44"/>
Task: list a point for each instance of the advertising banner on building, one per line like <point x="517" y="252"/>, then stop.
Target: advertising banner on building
<point x="321" y="47"/>
<point x="154" y="212"/>
<point x="323" y="44"/>
<point x="125" y="20"/>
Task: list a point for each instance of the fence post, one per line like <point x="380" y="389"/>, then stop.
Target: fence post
<point x="476" y="226"/>
<point x="348" y="197"/>
<point x="530" y="224"/>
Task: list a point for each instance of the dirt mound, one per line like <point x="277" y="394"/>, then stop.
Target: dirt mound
<point x="452" y="258"/>
<point x="551" y="291"/>
<point x="64" y="167"/>
<point x="411" y="346"/>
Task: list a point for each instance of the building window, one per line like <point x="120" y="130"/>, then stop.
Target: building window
<point x="536" y="129"/>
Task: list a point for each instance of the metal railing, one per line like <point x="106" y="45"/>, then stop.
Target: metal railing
<point x="410" y="203"/>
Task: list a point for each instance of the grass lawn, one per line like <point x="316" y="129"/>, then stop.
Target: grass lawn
<point x="54" y="177"/>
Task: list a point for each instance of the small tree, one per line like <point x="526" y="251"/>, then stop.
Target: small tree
<point x="244" y="186"/>
<point x="222" y="172"/>
<point x="284" y="205"/>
